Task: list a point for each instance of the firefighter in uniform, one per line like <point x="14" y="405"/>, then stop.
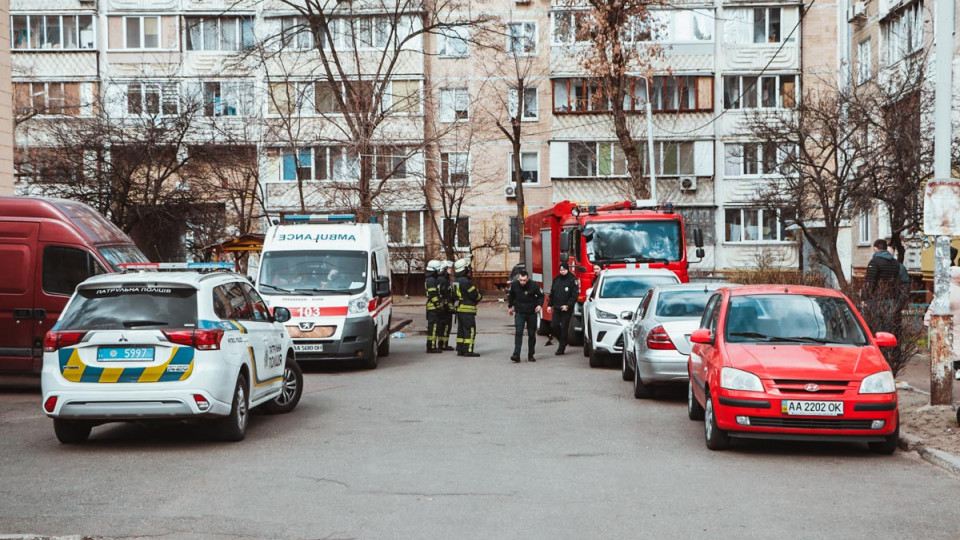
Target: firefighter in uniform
<point x="467" y="297"/>
<point x="449" y="305"/>
<point x="434" y="305"/>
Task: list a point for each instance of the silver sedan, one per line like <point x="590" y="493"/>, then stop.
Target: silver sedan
<point x="656" y="341"/>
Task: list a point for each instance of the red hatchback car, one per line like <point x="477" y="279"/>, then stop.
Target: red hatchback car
<point x="790" y="362"/>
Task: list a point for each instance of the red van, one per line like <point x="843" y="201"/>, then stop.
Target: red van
<point x="47" y="247"/>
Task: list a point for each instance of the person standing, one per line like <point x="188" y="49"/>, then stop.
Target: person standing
<point x="449" y="305"/>
<point x="563" y="298"/>
<point x="883" y="288"/>
<point x="434" y="305"/>
<point x="523" y="302"/>
<point x="467" y="299"/>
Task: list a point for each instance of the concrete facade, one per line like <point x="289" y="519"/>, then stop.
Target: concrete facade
<point x="6" y="105"/>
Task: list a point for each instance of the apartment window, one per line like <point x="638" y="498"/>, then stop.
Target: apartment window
<point x="767" y="91"/>
<point x="48" y="165"/>
<point x="228" y="98"/>
<point x="459" y="230"/>
<point x="336" y="163"/>
<point x="595" y="159"/>
<point x="673" y="158"/>
<point x="295" y="33"/>
<point x="756" y="225"/>
<point x="47" y="98"/>
<point x="452" y="42"/>
<point x="668" y="94"/>
<point x="367" y="32"/>
<point x="141" y="32"/>
<point x="571" y="27"/>
<point x="390" y="162"/>
<point x="403" y="97"/>
<point x="522" y="38"/>
<point x="153" y="99"/>
<point x="454" y="104"/>
<point x="515" y="236"/>
<point x="290" y="98"/>
<point x="530" y="103"/>
<point x="766" y="25"/>
<point x="325" y="97"/>
<point x="903" y="33"/>
<point x="529" y="167"/>
<point x="52" y="32"/>
<point x="864" y="62"/>
<point x="702" y="218"/>
<point x="455" y="168"/>
<point x="864" y="238"/>
<point x="219" y="33"/>
<point x="672" y="26"/>
<point x="403" y="228"/>
<point x="298" y="166"/>
<point x="753" y="159"/>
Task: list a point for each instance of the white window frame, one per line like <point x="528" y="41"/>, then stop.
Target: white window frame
<point x="43" y="25"/>
<point x="767" y="10"/>
<point x="456" y="235"/>
<point x="513" y="103"/>
<point x="757" y="90"/>
<point x="387" y="100"/>
<point x="864" y="61"/>
<point x="335" y="159"/>
<point x="660" y="154"/>
<point x="536" y="157"/>
<point x="570" y="38"/>
<point x="522" y="38"/>
<point x="903" y="33"/>
<point x="204" y="20"/>
<point x="302" y="39"/>
<point x="407" y="161"/>
<point x="242" y="89"/>
<point x="730" y="152"/>
<point x="141" y="19"/>
<point x="303" y="95"/>
<point x="453" y="34"/>
<point x="599" y="146"/>
<point x="163" y="90"/>
<point x="404" y="224"/>
<point x="449" y="97"/>
<point x="864" y="234"/>
<point x="462" y="156"/>
<point x="45" y="92"/>
<point x="760" y="213"/>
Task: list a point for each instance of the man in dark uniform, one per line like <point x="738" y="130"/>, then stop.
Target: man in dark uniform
<point x="449" y="305"/>
<point x="434" y="305"/>
<point x="563" y="298"/>
<point x="523" y="301"/>
<point x="467" y="297"/>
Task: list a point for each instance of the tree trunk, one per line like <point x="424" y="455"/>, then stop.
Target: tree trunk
<point x="639" y="184"/>
<point x="518" y="180"/>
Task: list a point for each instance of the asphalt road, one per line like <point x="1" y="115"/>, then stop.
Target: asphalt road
<point x="441" y="447"/>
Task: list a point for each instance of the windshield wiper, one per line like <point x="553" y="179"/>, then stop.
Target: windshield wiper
<point x="765" y="337"/>
<point x="326" y="291"/>
<point x="663" y="260"/>
<point x="274" y="287"/>
<point x="755" y="335"/>
<point x="132" y="324"/>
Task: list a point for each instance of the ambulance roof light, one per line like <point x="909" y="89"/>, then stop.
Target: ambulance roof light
<point x="319" y="218"/>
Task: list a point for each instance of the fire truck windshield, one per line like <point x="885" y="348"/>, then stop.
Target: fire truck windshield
<point x="635" y="241"/>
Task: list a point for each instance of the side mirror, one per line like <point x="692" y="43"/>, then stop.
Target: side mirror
<point x="702" y="335"/>
<point x="564" y="257"/>
<point x="581" y="268"/>
<point x="701" y="253"/>
<point x="698" y="240"/>
<point x="588" y="234"/>
<point x="885" y="339"/>
<point x="381" y="286"/>
<point x="589" y="292"/>
<point x="281" y="314"/>
<point x="564" y="240"/>
<point x="626" y="315"/>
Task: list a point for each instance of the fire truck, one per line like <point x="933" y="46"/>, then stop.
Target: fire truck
<point x="627" y="234"/>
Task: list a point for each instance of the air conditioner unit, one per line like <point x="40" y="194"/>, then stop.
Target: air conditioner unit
<point x="688" y="183"/>
<point x="524" y="1"/>
<point x="510" y="192"/>
<point x="858" y="12"/>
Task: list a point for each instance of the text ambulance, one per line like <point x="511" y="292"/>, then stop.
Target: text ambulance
<point x="334" y="276"/>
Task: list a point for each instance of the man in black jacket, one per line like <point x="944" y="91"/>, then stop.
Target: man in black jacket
<point x="563" y="298"/>
<point x="523" y="300"/>
<point x="884" y="288"/>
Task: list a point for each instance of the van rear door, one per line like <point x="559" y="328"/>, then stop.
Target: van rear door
<point x="18" y="244"/>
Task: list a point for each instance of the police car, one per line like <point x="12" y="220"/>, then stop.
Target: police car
<point x="155" y="346"/>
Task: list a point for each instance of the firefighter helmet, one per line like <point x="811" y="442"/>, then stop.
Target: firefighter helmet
<point x="444" y="264"/>
<point x="461" y="265"/>
<point x="433" y="266"/>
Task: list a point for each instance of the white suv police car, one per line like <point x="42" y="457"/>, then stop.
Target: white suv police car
<point x="160" y="346"/>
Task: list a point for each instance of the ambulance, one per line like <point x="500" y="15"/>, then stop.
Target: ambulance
<point x="333" y="274"/>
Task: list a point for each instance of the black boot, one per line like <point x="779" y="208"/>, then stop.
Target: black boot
<point x="471" y="354"/>
<point x="531" y="358"/>
<point x="515" y="358"/>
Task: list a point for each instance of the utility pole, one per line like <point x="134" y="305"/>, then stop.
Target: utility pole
<point x="941" y="200"/>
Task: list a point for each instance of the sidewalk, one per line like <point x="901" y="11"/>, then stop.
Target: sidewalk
<point x="923" y="424"/>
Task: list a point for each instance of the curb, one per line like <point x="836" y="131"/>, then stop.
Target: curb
<point x="912" y="443"/>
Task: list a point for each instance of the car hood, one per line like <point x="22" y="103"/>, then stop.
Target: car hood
<point x="679" y="331"/>
<point x="806" y="361"/>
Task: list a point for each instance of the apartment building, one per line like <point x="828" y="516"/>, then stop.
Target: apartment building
<point x="6" y="106"/>
<point x="449" y="164"/>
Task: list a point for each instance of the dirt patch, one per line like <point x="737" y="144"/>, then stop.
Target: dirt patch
<point x="935" y="425"/>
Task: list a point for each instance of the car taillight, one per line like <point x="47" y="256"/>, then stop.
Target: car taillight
<point x="57" y="340"/>
<point x="205" y="340"/>
<point x="659" y="340"/>
<point x="50" y="404"/>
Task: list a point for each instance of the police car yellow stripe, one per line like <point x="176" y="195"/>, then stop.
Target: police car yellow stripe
<point x="110" y="375"/>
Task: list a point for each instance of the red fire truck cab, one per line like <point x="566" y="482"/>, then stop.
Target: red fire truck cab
<point x="628" y="234"/>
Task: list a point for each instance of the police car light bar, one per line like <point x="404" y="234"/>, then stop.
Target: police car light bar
<point x="130" y="267"/>
<point x="319" y="218"/>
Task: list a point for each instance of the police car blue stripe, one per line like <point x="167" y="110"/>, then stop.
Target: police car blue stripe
<point x="183" y="358"/>
<point x="91" y="374"/>
<point x="130" y="375"/>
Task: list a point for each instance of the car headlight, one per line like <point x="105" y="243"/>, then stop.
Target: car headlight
<point x="737" y="379"/>
<point x="878" y="383"/>
<point x="358" y="305"/>
<point x="601" y="314"/>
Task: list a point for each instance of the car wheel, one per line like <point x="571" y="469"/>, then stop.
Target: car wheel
<point x="626" y="372"/>
<point x="372" y="360"/>
<point x="234" y="426"/>
<point x="291" y="389"/>
<point x="596" y="360"/>
<point x="715" y="437"/>
<point x="694" y="410"/>
<point x="586" y="345"/>
<point x="71" y="431"/>
<point x="384" y="348"/>
<point x="640" y="390"/>
<point x="888" y="445"/>
<point x="572" y="337"/>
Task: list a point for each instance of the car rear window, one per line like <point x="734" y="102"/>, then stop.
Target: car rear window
<point x="682" y="303"/>
<point x="632" y="286"/>
<point x="131" y="307"/>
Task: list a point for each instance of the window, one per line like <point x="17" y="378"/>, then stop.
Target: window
<point x="454" y="104"/>
<point x="864" y="62"/>
<point x="596" y="159"/>
<point x="51" y="32"/>
<point x="681" y="93"/>
<point x="752" y="159"/>
<point x="530" y="103"/>
<point x="452" y="42"/>
<point x="219" y="33"/>
<point x="571" y="27"/>
<point x="403" y="228"/>
<point x="522" y="38"/>
<point x="674" y="158"/>
<point x="153" y="99"/>
<point x="455" y="168"/>
<point x="370" y="32"/>
<point x="903" y="33"/>
<point x="299" y="166"/>
<point x="295" y="33"/>
<point x="515" y="236"/>
<point x="756" y="225"/>
<point x="228" y="98"/>
<point x="232" y="303"/>
<point x="258" y="308"/>
<point x="766" y="25"/>
<point x="403" y="97"/>
<point x="459" y="230"/>
<point x="65" y="267"/>
<point x="290" y="98"/>
<point x="320" y="163"/>
<point x="751" y="91"/>
<point x="141" y="32"/>
<point x="45" y="98"/>
<point x="529" y="167"/>
<point x="390" y="162"/>
<point x="864" y="237"/>
<point x="48" y="165"/>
